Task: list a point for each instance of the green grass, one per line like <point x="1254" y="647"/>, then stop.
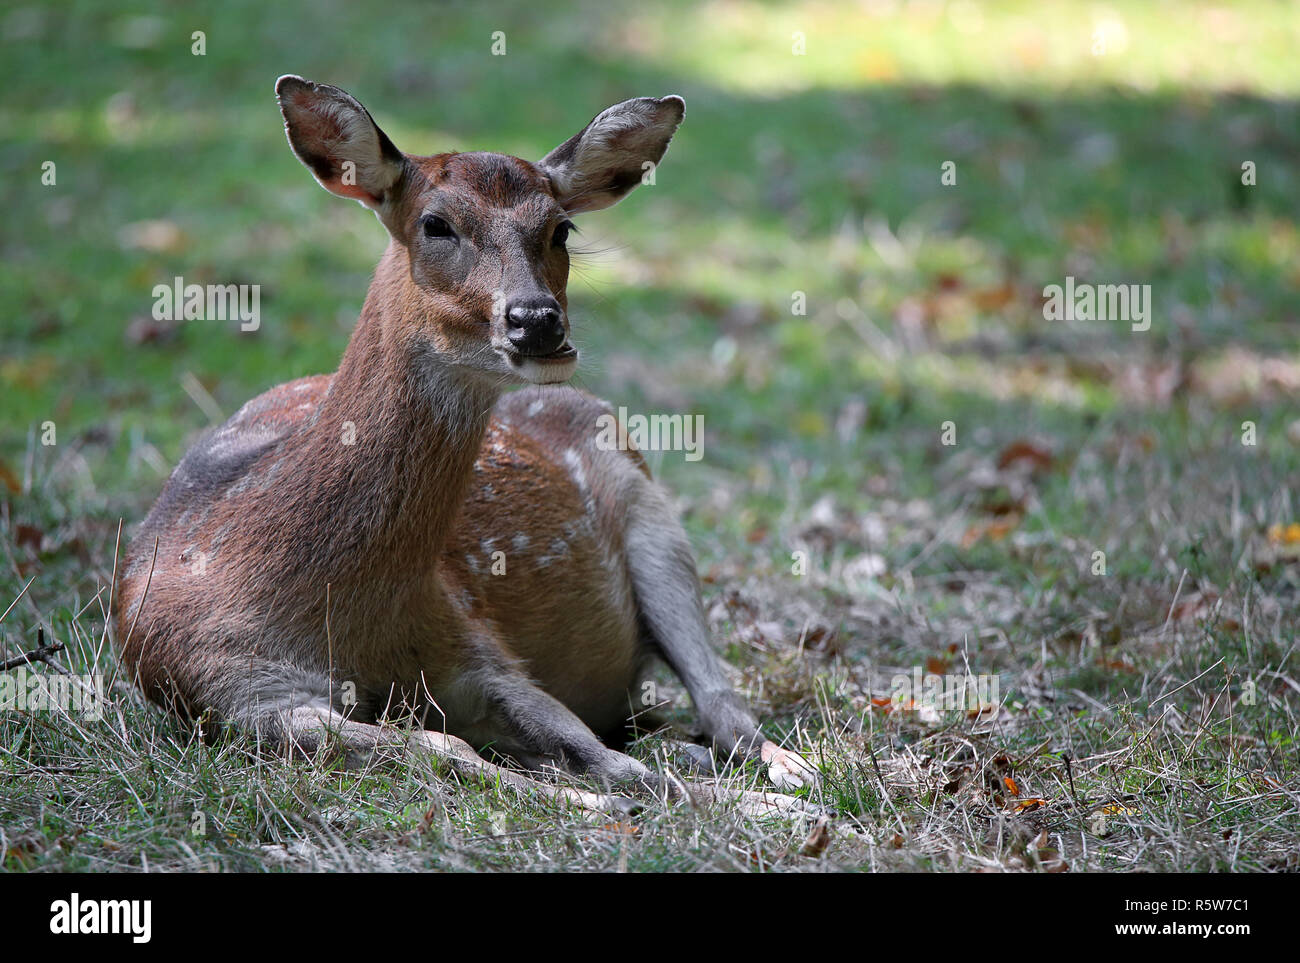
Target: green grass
<point x="817" y="174"/>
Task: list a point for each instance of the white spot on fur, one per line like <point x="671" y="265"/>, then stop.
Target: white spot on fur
<point x="536" y="407"/>
<point x="574" y="460"/>
<point x="559" y="550"/>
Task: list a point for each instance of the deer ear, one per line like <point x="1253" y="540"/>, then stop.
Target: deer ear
<point x="335" y="137"/>
<point x="600" y="164"/>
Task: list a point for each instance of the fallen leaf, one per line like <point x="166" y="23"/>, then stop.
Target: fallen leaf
<point x="1285" y="535"/>
<point x="10" y="480"/>
<point x="994" y="298"/>
<point x="937" y="666"/>
<point x="1049" y="859"/>
<point x="819" y="837"/>
<point x="28" y="536"/>
<point x="145" y="330"/>
<point x="1116" y="665"/>
<point x="1195" y="606"/>
<point x="1267" y="781"/>
<point x="993" y="531"/>
<point x="1026" y="454"/>
<point x="1115" y="809"/>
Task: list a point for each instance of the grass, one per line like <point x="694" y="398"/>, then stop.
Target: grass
<point x="1168" y="682"/>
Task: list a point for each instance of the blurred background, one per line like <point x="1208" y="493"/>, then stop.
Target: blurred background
<point x="1103" y="141"/>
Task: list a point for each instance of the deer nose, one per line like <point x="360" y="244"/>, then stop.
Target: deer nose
<point x="535" y="326"/>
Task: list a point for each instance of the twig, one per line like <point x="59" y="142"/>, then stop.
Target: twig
<point x="19" y="599"/>
<point x="149" y="581"/>
<point x="41" y="653"/>
<point x="1174" y="604"/>
<point x="1069" y="772"/>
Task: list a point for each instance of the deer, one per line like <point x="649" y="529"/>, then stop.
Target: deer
<point x="325" y="558"/>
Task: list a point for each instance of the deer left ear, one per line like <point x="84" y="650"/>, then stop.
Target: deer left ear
<point x="601" y="164"/>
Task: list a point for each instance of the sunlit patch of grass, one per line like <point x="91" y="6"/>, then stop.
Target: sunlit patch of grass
<point x="752" y="45"/>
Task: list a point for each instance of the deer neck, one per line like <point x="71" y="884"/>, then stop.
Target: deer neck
<point x="398" y="432"/>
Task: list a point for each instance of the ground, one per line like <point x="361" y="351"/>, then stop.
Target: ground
<point x="907" y="468"/>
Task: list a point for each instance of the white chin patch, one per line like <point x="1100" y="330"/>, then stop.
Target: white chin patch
<point x="544" y="372"/>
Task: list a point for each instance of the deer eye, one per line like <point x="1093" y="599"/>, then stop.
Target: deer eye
<point x="561" y="235"/>
<point x="434" y="226"/>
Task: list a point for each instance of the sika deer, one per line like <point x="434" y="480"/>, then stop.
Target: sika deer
<point x="326" y="556"/>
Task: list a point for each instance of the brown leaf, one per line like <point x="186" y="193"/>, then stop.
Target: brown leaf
<point x="1049" y="860"/>
<point x="28" y="536"/>
<point x="819" y="837"/>
<point x="821" y="638"/>
<point x="1195" y="606"/>
<point x="994" y="298"/>
<point x="1027" y="454"/>
<point x="993" y="531"/>
<point x="145" y="330"/>
<point x="10" y="480"/>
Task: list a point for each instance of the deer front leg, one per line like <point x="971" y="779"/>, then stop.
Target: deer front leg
<point x="668" y="596"/>
<point x="307" y="729"/>
<point x="538" y="730"/>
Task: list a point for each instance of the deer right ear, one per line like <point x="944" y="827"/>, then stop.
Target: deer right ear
<point x="338" y="141"/>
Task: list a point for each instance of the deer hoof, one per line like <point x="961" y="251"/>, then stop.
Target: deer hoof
<point x="787" y="769"/>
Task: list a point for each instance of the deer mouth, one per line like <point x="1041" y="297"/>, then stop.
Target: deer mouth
<point x="566" y="352"/>
<point x="556" y="366"/>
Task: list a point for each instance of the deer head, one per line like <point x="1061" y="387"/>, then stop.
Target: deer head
<point x="480" y="238"/>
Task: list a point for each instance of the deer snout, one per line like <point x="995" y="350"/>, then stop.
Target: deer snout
<point x="535" y="326"/>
